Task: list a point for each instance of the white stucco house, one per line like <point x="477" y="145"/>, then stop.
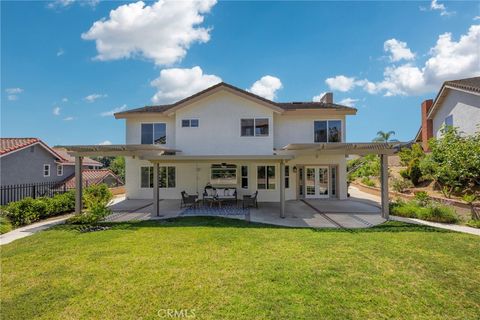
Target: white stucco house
<point x="227" y="137"/>
<point x="457" y="104"/>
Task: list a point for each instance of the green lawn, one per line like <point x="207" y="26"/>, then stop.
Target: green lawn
<point x="226" y="269"/>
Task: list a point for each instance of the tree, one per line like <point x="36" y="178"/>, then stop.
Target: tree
<point x="384" y="136"/>
<point x="454" y="161"/>
<point x="117" y="165"/>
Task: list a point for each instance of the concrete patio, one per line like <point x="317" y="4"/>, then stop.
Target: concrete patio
<point x="330" y="213"/>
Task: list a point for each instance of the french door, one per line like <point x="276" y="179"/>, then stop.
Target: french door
<point x="316" y="182"/>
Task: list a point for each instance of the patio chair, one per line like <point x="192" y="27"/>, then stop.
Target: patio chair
<point x="250" y="200"/>
<point x="209" y="193"/>
<point x="188" y="200"/>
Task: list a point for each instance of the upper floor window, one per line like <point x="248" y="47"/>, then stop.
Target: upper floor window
<point x="154" y="133"/>
<point x="328" y="131"/>
<point x="254" y="127"/>
<point x="192" y="123"/>
<point x="46" y="170"/>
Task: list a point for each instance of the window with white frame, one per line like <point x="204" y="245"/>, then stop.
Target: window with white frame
<point x="154" y="133"/>
<point x="266" y="177"/>
<point x="327" y="131"/>
<point x="244" y="171"/>
<point x="190" y="123"/>
<point x="166" y="177"/>
<point x="255" y="127"/>
<point x="46" y="170"/>
<point x="59" y="170"/>
<point x="223" y="173"/>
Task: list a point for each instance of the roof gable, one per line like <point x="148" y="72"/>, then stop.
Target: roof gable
<point x="11" y="145"/>
<point x="278" y="107"/>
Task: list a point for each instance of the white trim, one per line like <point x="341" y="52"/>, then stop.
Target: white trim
<point x="49" y="172"/>
<point x="59" y="166"/>
<point x="327" y="120"/>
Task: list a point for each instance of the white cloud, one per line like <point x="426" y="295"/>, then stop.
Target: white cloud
<point x="476" y="18"/>
<point x="13" y="93"/>
<point x="68" y="118"/>
<point x="161" y="32"/>
<point x="176" y="83"/>
<point x="56" y="111"/>
<point x="266" y="87"/>
<point x="94" y="96"/>
<point x="434" y="5"/>
<point x="60" y="52"/>
<point x="318" y="97"/>
<point x="350" y="102"/>
<point x="62" y="4"/>
<point x="64" y="99"/>
<point x="341" y="83"/>
<point x="105" y="143"/>
<point x="398" y="50"/>
<point x="113" y="111"/>
<point x="447" y="60"/>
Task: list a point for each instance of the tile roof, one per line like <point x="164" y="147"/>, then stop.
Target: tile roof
<point x="470" y="84"/>
<point x="91" y="177"/>
<point x="282" y="105"/>
<point x="68" y="159"/>
<point x="11" y="144"/>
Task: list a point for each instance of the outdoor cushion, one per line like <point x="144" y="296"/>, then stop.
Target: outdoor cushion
<point x="210" y="192"/>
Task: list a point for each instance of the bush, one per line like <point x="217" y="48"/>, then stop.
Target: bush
<point x="473" y="223"/>
<point x="422" y="198"/>
<point x="401" y="185"/>
<point x="29" y="210"/>
<point x="368" y="182"/>
<point x="96" y="199"/>
<point x="432" y="212"/>
<point x="5" y="225"/>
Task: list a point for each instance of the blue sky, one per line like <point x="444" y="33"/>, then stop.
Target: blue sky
<point x="384" y="58"/>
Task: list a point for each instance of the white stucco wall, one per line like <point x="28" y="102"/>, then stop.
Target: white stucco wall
<point x="299" y="129"/>
<point x="464" y="108"/>
<point x="218" y="133"/>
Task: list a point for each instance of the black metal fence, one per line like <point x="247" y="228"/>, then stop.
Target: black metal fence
<point x="17" y="192"/>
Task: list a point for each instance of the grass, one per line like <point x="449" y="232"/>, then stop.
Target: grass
<point x="228" y="269"/>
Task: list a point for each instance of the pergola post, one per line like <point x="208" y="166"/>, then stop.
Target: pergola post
<point x="384" y="189"/>
<point x="156" y="193"/>
<point x="282" y="189"/>
<point x="78" y="184"/>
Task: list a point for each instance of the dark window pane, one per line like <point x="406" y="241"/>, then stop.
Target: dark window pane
<point x="194" y="123"/>
<point x="171" y="177"/>
<point x="245" y="183"/>
<point x="334" y="131"/>
<point x="244" y="171"/>
<point x="185" y="123"/>
<point x="147" y="133"/>
<point x="162" y="179"/>
<point x="287" y="182"/>
<point x="261" y="177"/>
<point x="271" y="177"/>
<point x="160" y="133"/>
<point x="144" y="176"/>
<point x="449" y="120"/>
<point x="320" y="131"/>
<point x="261" y="127"/>
<point x="247" y="127"/>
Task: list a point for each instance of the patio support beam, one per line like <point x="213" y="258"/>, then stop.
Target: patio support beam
<point x="384" y="189"/>
<point x="156" y="193"/>
<point x="282" y="189"/>
<point x="78" y="184"/>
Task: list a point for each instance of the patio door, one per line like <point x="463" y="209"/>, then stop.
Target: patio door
<point x="317" y="182"/>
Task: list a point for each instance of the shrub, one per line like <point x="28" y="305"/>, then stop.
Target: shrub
<point x="368" y="182"/>
<point x="439" y="213"/>
<point x="410" y="209"/>
<point x="474" y="223"/>
<point x="5" y="225"/>
<point x="96" y="199"/>
<point x="422" y="198"/>
<point x="401" y="185"/>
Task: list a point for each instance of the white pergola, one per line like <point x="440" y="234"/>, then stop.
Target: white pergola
<point x="158" y="154"/>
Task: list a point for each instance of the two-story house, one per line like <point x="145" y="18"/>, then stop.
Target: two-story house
<point x="225" y="136"/>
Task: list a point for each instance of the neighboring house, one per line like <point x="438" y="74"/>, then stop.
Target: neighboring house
<point x="30" y="160"/>
<point x="228" y="137"/>
<point x="94" y="177"/>
<point x="457" y="104"/>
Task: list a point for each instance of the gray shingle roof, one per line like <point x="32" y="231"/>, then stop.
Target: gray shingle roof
<point x="470" y="84"/>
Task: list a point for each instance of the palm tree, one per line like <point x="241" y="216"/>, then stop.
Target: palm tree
<point x="384" y="136"/>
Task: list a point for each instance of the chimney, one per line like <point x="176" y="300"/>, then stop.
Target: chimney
<point x="427" y="124"/>
<point x="327" y="98"/>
